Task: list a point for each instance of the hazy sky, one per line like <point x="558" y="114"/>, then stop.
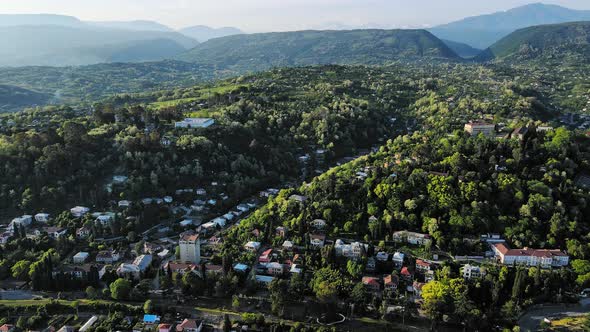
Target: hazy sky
<point x="276" y="15"/>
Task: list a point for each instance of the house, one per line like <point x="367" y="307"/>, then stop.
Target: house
<point x="265" y="257"/>
<point x="126" y="270"/>
<point x="242" y="268"/>
<point x="519" y="133"/>
<point x="186" y="223"/>
<point x="107" y="257"/>
<point x="275" y="268"/>
<point x="405" y="273"/>
<point x="317" y="240"/>
<point x="476" y="128"/>
<point x="411" y="238"/>
<point x="7" y="328"/>
<point x="83" y="232"/>
<point x="67" y="328"/>
<point x="189" y="123"/>
<point x="422" y="266"/>
<point x="318" y="224"/>
<point x="42" y="217"/>
<point x="371" y="264"/>
<point x="472" y="272"/>
<point x="151" y="248"/>
<point x="229" y="216"/>
<point x="76" y="272"/>
<point x="143" y="262"/>
<point x="165" y="327"/>
<point x="79" y="211"/>
<point x="181" y="267"/>
<point x="371" y="284"/>
<point x="295" y="269"/>
<point x="288" y="245"/>
<point x="23" y="221"/>
<point x="151" y="319"/>
<point x="382" y="256"/>
<point x="243" y="207"/>
<point x="88" y="324"/>
<point x="168" y="199"/>
<point x="544" y="258"/>
<point x="252" y="246"/>
<point x="52" y="232"/>
<point x="390" y="282"/>
<point x="281" y="231"/>
<point x="190" y="325"/>
<point x="219" y="221"/>
<point x="104" y="218"/>
<point x="417" y="288"/>
<point x="263" y="280"/>
<point x="201" y="192"/>
<point x="80" y="258"/>
<point x="355" y="250"/>
<point x="124" y="204"/>
<point x="398" y="259"/>
<point x="5" y="237"/>
<point x="298" y="198"/>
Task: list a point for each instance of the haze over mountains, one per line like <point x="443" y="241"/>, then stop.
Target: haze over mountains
<point x="58" y="40"/>
<point x="484" y="30"/>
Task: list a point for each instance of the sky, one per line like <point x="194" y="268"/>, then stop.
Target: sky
<point x="276" y="15"/>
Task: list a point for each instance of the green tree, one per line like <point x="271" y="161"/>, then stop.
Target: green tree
<point x="120" y="289"/>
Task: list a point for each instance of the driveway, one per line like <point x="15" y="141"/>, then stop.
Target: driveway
<point x="529" y="322"/>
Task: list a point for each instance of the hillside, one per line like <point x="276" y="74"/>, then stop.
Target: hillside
<point x="138" y="25"/>
<point x="262" y="51"/>
<point x="57" y="45"/>
<point x="542" y="41"/>
<point x="203" y="33"/>
<point x="484" y="30"/>
<point x="463" y="50"/>
<point x="13" y="98"/>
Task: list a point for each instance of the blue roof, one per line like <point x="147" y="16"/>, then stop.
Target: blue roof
<point x="150" y="318"/>
<point x="240" y="267"/>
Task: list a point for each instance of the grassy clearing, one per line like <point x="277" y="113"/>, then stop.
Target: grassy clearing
<point x="579" y="323"/>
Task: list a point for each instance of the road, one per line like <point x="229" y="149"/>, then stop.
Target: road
<point x="530" y="321"/>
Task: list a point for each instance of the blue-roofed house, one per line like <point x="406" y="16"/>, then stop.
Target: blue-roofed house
<point x="239" y="267"/>
<point x="151" y="319"/>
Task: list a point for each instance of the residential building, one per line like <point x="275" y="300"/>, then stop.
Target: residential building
<point x="151" y="248"/>
<point x="151" y="319"/>
<point x="107" y="257"/>
<point x="266" y="256"/>
<point x="317" y="240"/>
<point x="476" y="128"/>
<point x="371" y="264"/>
<point x="390" y="282"/>
<point x="544" y="258"/>
<point x="252" y="246"/>
<point x="143" y="262"/>
<point x="80" y="258"/>
<point x="52" y="232"/>
<point x="79" y="211"/>
<point x="411" y="238"/>
<point x="190" y="248"/>
<point x="281" y="231"/>
<point x="371" y="284"/>
<point x="472" y="272"/>
<point x="195" y="123"/>
<point x="398" y="259"/>
<point x="124" y="204"/>
<point x="422" y="266"/>
<point x="126" y="270"/>
<point x="275" y="269"/>
<point x="181" y="267"/>
<point x="242" y="268"/>
<point x="382" y="256"/>
<point x="264" y="280"/>
<point x="318" y="223"/>
<point x="355" y="250"/>
<point x="190" y="325"/>
<point x="7" y="328"/>
<point x="23" y="221"/>
<point x="164" y="327"/>
<point x="42" y="217"/>
<point x="288" y="245"/>
<point x="83" y="232"/>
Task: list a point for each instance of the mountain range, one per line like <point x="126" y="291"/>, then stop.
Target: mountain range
<point x="253" y="52"/>
<point x="59" y="40"/>
<point x="484" y="30"/>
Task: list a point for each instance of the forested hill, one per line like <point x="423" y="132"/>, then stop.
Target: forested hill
<point x="256" y="52"/>
<point x="550" y="41"/>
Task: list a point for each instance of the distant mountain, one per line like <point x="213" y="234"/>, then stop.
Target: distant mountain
<point x="551" y="41"/>
<point x="61" y="46"/>
<point x="463" y="50"/>
<point x="204" y="33"/>
<point x="243" y="53"/>
<point x="133" y="25"/>
<point x="15" y="98"/>
<point x="7" y="20"/>
<point x="482" y="31"/>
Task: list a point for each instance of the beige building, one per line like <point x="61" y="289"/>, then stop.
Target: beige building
<point x="190" y="248"/>
<point x="476" y="128"/>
